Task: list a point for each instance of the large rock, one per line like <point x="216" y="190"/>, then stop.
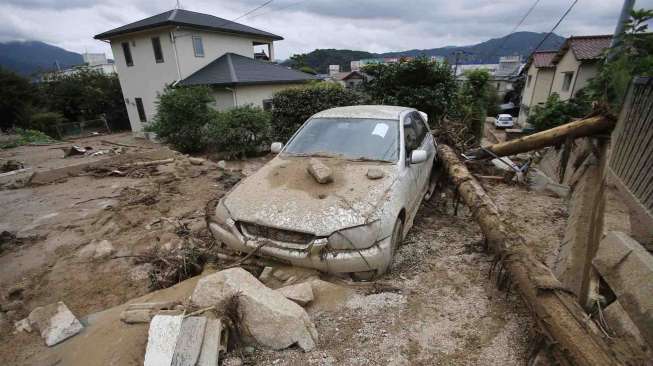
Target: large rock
<point x="268" y="318"/>
<point x="282" y="276"/>
<point x="320" y="171"/>
<point x="301" y="293"/>
<point x="55" y="322"/>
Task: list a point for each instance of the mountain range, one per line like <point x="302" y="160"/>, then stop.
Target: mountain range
<point x="29" y="57"/>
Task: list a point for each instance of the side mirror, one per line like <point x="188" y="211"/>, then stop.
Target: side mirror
<point x="418" y="156"/>
<point x="276" y="147"/>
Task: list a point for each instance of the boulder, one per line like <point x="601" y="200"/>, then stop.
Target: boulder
<point x="97" y="249"/>
<point x="268" y="318"/>
<point x="301" y="293"/>
<point x="320" y="171"/>
<point x="196" y="161"/>
<point x="55" y="322"/>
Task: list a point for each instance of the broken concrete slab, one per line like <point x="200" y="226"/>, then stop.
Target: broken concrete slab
<point x="281" y="276"/>
<point x="268" y="318"/>
<point x="23" y="325"/>
<point x="189" y="341"/>
<point x="55" y="322"/>
<point x="215" y="342"/>
<point x="301" y="293"/>
<point x="162" y="339"/>
<point x="628" y="269"/>
<point x="320" y="171"/>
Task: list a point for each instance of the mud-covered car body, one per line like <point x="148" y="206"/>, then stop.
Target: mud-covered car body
<point x="345" y="225"/>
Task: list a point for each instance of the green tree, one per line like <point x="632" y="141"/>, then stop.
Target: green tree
<point x="182" y="116"/>
<point x="419" y="83"/>
<point x="16" y="97"/>
<point x="472" y="100"/>
<point x="294" y="106"/>
<point x="556" y="112"/>
<point x="631" y="56"/>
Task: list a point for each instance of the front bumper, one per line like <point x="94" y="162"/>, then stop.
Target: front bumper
<point x="316" y="255"/>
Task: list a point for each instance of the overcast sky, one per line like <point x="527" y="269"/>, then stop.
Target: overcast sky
<point x="370" y="25"/>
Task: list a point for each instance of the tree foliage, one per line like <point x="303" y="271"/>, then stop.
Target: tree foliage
<point x="294" y="106"/>
<point x="556" y="112"/>
<point x="426" y="85"/>
<point x="631" y="56"/>
<point x="472" y="100"/>
<point x="320" y="59"/>
<point x="239" y="132"/>
<point x="16" y="97"/>
<point x="182" y="116"/>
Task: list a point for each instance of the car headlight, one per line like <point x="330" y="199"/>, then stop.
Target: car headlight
<point x="358" y="237"/>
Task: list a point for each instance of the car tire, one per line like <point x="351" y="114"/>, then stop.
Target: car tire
<point x="395" y="241"/>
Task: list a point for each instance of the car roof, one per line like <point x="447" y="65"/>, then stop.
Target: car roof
<point x="364" y="111"/>
<point x="505" y="115"/>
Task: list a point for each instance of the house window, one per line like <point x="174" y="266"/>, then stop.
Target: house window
<point x="198" y="47"/>
<point x="141" y="109"/>
<point x="128" y="54"/>
<point x="158" y="53"/>
<point x="528" y="83"/>
<point x="267" y="104"/>
<point x="566" y="82"/>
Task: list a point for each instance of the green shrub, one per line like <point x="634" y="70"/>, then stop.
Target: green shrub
<point x="45" y="121"/>
<point x="426" y="85"/>
<point x="24" y="137"/>
<point x="556" y="112"/>
<point x="294" y="106"/>
<point x="182" y="116"/>
<point x="239" y="132"/>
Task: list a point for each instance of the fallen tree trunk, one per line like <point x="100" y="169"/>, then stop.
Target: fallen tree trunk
<point x="149" y="163"/>
<point x="553" y="136"/>
<point x="559" y="316"/>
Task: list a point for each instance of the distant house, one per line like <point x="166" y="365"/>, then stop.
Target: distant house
<point x="92" y="61"/>
<point x="502" y="75"/>
<point x="538" y="72"/>
<point x="577" y="62"/>
<point x="349" y="79"/>
<point x="181" y="47"/>
<point x="564" y="72"/>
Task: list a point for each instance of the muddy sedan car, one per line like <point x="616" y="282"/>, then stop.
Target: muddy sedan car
<point x="339" y="197"/>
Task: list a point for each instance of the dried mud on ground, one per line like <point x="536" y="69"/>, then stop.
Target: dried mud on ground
<point x="437" y="306"/>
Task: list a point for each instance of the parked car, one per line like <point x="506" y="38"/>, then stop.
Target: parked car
<point x="503" y="121"/>
<point x="380" y="160"/>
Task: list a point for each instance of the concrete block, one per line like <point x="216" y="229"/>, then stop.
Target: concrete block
<point x="628" y="269"/>
<point x="55" y="322"/>
<point x="215" y="341"/>
<point x="162" y="339"/>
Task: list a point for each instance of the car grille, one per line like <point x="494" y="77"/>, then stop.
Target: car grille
<point x="281" y="235"/>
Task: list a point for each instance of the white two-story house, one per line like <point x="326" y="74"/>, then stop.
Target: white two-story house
<point x="181" y="47"/>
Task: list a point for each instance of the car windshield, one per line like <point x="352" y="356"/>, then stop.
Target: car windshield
<point x="348" y="138"/>
<point x="505" y="118"/>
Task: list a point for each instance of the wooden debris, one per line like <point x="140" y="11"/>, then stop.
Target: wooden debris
<point x="584" y="127"/>
<point x="557" y="313"/>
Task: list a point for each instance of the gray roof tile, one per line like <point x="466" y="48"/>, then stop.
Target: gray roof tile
<point x="233" y="69"/>
<point x="186" y="18"/>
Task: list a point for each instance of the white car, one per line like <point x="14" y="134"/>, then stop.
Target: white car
<point x="380" y="158"/>
<point x="503" y="121"/>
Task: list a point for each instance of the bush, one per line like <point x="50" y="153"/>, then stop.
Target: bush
<point x="426" y="85"/>
<point x="24" y="137"/>
<point x="182" y="116"/>
<point x="45" y="121"/>
<point x="294" y="106"/>
<point x="472" y="101"/>
<point x="239" y="132"/>
<point x="556" y="112"/>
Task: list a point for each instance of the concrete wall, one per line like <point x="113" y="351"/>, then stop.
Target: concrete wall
<point x="147" y="78"/>
<point x="255" y="94"/>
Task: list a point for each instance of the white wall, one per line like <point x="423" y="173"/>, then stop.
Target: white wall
<point x="255" y="94"/>
<point x="146" y="78"/>
<point x="567" y="63"/>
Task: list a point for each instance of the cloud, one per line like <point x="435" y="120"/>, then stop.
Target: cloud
<point x="371" y="25"/>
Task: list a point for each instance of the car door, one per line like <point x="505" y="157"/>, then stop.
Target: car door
<point x="426" y="144"/>
<point x="412" y="135"/>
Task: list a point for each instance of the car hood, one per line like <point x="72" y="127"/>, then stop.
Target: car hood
<point x="282" y="194"/>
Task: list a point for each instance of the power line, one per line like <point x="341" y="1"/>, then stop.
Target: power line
<point x="554" y="27"/>
<point x="255" y="9"/>
<point x="281" y="8"/>
<point x="515" y="28"/>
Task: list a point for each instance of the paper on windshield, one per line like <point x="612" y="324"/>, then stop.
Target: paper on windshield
<point x="380" y="129"/>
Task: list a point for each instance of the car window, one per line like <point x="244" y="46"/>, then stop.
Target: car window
<point x="414" y="131"/>
<point x="349" y="138"/>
